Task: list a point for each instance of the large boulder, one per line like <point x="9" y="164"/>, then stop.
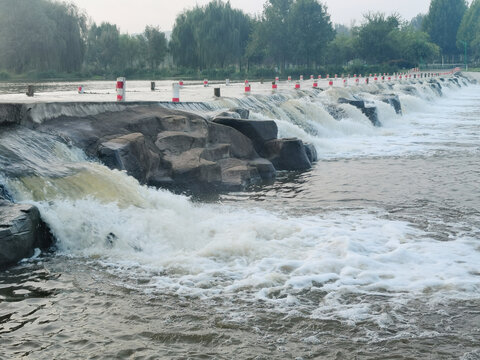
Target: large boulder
<point x="130" y="153"/>
<point x="21" y="231"/>
<point x="258" y="131"/>
<point x="287" y="154"/>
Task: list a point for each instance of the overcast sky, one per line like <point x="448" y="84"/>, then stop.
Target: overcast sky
<point x="132" y="15"/>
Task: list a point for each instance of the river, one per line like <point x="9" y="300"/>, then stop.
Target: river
<point x="372" y="254"/>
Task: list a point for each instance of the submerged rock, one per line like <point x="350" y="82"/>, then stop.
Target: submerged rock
<point x="394" y="101"/>
<point x="369" y="111"/>
<point x="21" y="231"/>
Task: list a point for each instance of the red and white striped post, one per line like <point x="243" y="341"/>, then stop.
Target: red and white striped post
<point x="205" y="82"/>
<point x="345" y="82"/>
<point x="277" y="79"/>
<point x="301" y="77"/>
<point x="80" y="89"/>
<point x="357" y="81"/>
<point x="248" y="88"/>
<point x="311" y="77"/>
<point x="180" y="83"/>
<point x="289" y="78"/>
<point x="330" y="83"/>
<point x="297" y="85"/>
<point x="175" y="92"/>
<point x="274" y="85"/>
<point x="328" y="76"/>
<point x="315" y="83"/>
<point x="121" y="88"/>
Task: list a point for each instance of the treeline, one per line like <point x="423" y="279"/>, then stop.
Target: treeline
<point x="49" y="38"/>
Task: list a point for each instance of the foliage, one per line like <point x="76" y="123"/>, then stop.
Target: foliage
<point x="210" y="36"/>
<point x="442" y="23"/>
<point x="469" y="31"/>
<point x="41" y="35"/>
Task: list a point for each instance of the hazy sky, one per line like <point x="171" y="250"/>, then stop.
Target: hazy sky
<point x="132" y="15"/>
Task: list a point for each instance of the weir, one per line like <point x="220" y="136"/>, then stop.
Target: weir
<point x="53" y="152"/>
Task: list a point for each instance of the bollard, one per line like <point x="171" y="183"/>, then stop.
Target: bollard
<point x="205" y="83"/>
<point x="301" y="77"/>
<point x="277" y="79"/>
<point x="216" y="92"/>
<point x="315" y="83"/>
<point x="274" y="85"/>
<point x="289" y="78"/>
<point x="152" y="85"/>
<point x="311" y="77"/>
<point x="375" y="79"/>
<point x="180" y="83"/>
<point x="30" y="90"/>
<point x="227" y="82"/>
<point x="328" y="76"/>
<point x="247" y="86"/>
<point x="345" y="83"/>
<point x="80" y="89"/>
<point x="297" y="85"/>
<point x="319" y="77"/>
<point x="175" y="92"/>
<point x="330" y="83"/>
<point x="336" y="76"/>
<point x="121" y="88"/>
<point x="357" y="81"/>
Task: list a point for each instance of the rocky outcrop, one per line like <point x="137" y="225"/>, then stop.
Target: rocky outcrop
<point x="21" y="231"/>
<point x="173" y="149"/>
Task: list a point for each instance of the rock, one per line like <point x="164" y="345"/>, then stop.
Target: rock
<point x="244" y="113"/>
<point x="259" y="131"/>
<point x="21" y="231"/>
<point x="369" y="111"/>
<point x="130" y="153"/>
<point x="394" y="101"/>
<point x="237" y="174"/>
<point x="176" y="142"/>
<point x="241" y="146"/>
<point x="265" y="168"/>
<point x="4" y="195"/>
<point x="311" y="152"/>
<point x="287" y="154"/>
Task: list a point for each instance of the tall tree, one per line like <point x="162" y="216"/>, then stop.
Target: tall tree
<point x="156" y="46"/>
<point x="41" y="35"/>
<point x="373" y="41"/>
<point x="442" y="23"/>
<point x="312" y="30"/>
<point x="276" y="32"/>
<point x="103" y="47"/>
<point x="469" y="31"/>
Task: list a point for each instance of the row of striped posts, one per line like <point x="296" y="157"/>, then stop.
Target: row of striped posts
<point x="413" y="73"/>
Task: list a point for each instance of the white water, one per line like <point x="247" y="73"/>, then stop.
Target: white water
<point x="248" y="253"/>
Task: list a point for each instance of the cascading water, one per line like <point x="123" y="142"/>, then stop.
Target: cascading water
<point x="352" y="254"/>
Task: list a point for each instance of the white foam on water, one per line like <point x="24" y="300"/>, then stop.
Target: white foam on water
<point x="254" y="255"/>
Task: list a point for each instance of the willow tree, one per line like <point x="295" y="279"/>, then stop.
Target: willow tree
<point x="41" y="35"/>
<point x="211" y="36"/>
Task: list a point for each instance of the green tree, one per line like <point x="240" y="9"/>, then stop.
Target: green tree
<point x="341" y="50"/>
<point x="310" y="29"/>
<point x="275" y="31"/>
<point x="103" y="47"/>
<point x="373" y="42"/>
<point x="442" y="23"/>
<point x="156" y="46"/>
<point x="469" y="30"/>
<point x="41" y="35"/>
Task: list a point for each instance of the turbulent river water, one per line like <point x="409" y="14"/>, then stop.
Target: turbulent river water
<point x="373" y="254"/>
